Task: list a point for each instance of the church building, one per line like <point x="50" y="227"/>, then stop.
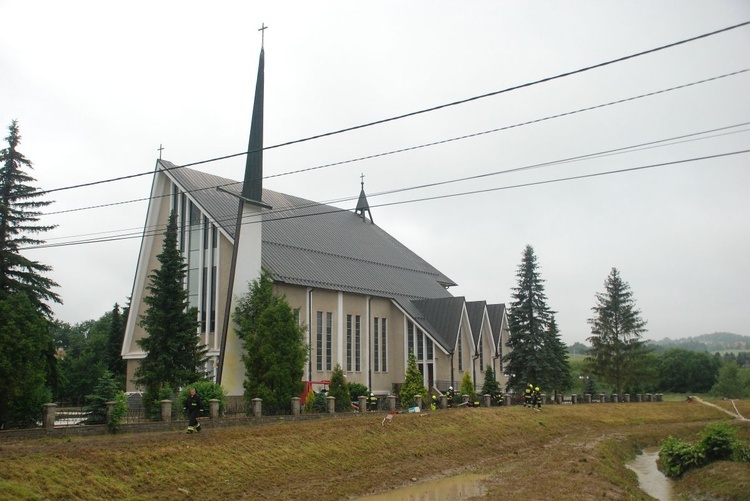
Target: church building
<point x="366" y="299"/>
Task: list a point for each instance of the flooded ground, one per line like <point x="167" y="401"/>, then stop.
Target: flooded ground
<point x="457" y="488"/>
<point x="650" y="479"/>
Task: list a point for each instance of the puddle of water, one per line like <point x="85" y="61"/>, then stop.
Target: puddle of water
<point x="650" y="479"/>
<point x="457" y="488"/>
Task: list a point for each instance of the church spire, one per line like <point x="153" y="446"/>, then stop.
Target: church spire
<point x="252" y="187"/>
<point x="362" y="204"/>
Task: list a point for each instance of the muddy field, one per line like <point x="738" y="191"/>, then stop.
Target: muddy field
<point x="564" y="452"/>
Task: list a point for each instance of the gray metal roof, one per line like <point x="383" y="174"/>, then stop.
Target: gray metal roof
<point x="444" y="316"/>
<point x="475" y="311"/>
<point x="316" y="245"/>
<point x="495" y="313"/>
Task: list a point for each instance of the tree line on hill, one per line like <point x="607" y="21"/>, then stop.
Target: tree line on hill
<point x="43" y="359"/>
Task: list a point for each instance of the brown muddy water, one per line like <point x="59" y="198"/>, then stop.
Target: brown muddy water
<point x="456" y="488"/>
<point x="652" y="481"/>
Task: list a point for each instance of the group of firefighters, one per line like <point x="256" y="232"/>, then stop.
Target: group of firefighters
<point x="532" y="397"/>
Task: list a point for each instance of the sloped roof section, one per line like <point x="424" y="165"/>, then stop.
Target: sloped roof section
<point x="443" y="315"/>
<point x="475" y="311"/>
<point x="316" y="245"/>
<point x="495" y="312"/>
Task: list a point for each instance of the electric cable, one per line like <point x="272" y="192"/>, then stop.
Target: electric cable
<point x="425" y="110"/>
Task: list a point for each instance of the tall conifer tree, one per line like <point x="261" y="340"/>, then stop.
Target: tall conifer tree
<point x="173" y="356"/>
<point x="19" y="214"/>
<point x="275" y="348"/>
<point x="617" y="349"/>
<point x="535" y="355"/>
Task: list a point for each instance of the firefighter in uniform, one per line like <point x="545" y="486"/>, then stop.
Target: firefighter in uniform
<point x="372" y="402"/>
<point x="193" y="406"/>
<point x="536" y="399"/>
<point x="498" y="398"/>
<point x="449" y="396"/>
<point x="527" y="395"/>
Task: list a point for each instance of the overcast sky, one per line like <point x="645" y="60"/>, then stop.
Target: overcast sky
<point x="98" y="86"/>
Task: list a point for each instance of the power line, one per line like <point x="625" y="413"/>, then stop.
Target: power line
<point x="423" y="111"/>
<point x="416" y="200"/>
<point x="615" y="151"/>
<point x="444" y="141"/>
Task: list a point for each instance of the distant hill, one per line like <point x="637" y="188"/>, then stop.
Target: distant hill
<point x="718" y="341"/>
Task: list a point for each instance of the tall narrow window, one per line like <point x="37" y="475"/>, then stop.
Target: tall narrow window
<point x="329" y="340"/>
<point x="376" y="345"/>
<point x="410" y="337"/>
<point x="481" y="355"/>
<point x="357" y="343"/>
<point x="384" y="345"/>
<point x="349" y="343"/>
<point x="430" y="349"/>
<point x="319" y="341"/>
<point x="460" y="353"/>
<point x="420" y="345"/>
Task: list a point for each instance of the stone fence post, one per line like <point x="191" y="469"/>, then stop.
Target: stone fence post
<point x="615" y="398"/>
<point x="257" y="404"/>
<point x="213" y="408"/>
<point x="362" y="399"/>
<point x="486" y="400"/>
<point x="465" y="399"/>
<point x="559" y="398"/>
<point x="587" y="398"/>
<point x="418" y="401"/>
<point x="295" y="406"/>
<point x="331" y="405"/>
<point x="602" y="398"/>
<point x="391" y="402"/>
<point x="443" y="402"/>
<point x="49" y="416"/>
<point x="649" y="397"/>
<point x="508" y="399"/>
<point x="639" y="397"/>
<point x="166" y="411"/>
<point x="574" y="398"/>
<point x="626" y="398"/>
<point x="659" y="397"/>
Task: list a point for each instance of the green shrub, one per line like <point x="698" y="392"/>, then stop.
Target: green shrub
<point x="357" y="390"/>
<point x="339" y="389"/>
<point x="413" y="384"/>
<point x="467" y="386"/>
<point x="320" y="402"/>
<point x="118" y="412"/>
<point x="105" y="390"/>
<point x="677" y="457"/>
<point x="309" y="402"/>
<point x="206" y="390"/>
<point x="718" y="441"/>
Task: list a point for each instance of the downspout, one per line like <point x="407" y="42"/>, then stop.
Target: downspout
<point x="309" y="333"/>
<point x="452" y="382"/>
<point x="474" y="369"/>
<point x="369" y="344"/>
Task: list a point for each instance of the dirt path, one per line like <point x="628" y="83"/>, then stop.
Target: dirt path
<point x="735" y="415"/>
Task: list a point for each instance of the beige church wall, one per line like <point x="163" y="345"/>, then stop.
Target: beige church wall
<point x="225" y="248"/>
<point x="383" y="381"/>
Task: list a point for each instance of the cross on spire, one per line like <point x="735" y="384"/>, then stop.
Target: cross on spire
<point x="262" y="30"/>
<point x="362" y="179"/>
<point x="161" y="148"/>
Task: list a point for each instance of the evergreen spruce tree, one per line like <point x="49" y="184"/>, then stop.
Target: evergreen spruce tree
<point x="339" y="389"/>
<point x="115" y="364"/>
<point x="413" y="384"/>
<point x="275" y="349"/>
<point x="173" y="356"/>
<point x="19" y="214"/>
<point x="490" y="386"/>
<point x="24" y="342"/>
<point x="535" y="355"/>
<point x="616" y="345"/>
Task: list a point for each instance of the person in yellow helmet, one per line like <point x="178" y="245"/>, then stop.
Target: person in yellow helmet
<point x="527" y="395"/>
<point x="536" y="399"/>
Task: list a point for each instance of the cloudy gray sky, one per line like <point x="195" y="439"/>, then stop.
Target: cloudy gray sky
<point x="98" y="86"/>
